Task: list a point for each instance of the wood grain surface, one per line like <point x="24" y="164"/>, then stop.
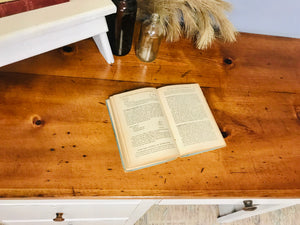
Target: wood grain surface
<point x="56" y="139"/>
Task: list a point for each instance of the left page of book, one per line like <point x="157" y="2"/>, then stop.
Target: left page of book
<point x="142" y="130"/>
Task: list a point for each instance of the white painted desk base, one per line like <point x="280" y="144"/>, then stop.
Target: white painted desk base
<point x="34" y="32"/>
<point x="115" y="212"/>
<point x="75" y="212"/>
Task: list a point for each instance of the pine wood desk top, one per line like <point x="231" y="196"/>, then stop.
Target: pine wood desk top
<point x="56" y="139"/>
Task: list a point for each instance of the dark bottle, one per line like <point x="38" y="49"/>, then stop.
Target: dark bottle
<point x="121" y="26"/>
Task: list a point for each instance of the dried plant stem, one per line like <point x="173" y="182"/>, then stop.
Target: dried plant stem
<point x="202" y="20"/>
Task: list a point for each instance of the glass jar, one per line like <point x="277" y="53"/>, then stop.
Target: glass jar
<point x="121" y="26"/>
<point x="150" y="37"/>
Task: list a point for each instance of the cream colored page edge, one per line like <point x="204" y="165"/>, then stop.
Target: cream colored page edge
<point x="3" y="1"/>
<point x="118" y="134"/>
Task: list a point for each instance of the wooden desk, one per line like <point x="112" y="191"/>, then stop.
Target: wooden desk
<point x="57" y="140"/>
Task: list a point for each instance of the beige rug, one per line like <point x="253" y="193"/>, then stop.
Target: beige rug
<point x="207" y="215"/>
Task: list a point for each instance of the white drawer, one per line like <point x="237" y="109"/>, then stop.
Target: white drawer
<point x="77" y="209"/>
<point x="109" y="209"/>
<point x="96" y="222"/>
<point x="26" y="212"/>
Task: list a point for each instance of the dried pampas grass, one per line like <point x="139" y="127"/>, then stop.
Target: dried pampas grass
<point x="199" y="20"/>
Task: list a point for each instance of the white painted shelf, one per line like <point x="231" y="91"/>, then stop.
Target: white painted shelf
<point x="34" y="32"/>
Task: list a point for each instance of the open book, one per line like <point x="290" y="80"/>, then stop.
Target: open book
<point x="157" y="125"/>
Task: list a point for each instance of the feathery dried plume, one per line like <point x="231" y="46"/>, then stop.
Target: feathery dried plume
<point x="201" y="20"/>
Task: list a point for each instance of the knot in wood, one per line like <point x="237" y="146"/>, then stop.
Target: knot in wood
<point x="37" y="121"/>
<point x="227" y="61"/>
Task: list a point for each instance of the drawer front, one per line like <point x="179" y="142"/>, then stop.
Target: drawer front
<point x="72" y="210"/>
<point x="27" y="212"/>
<point x="96" y="222"/>
<point x="108" y="210"/>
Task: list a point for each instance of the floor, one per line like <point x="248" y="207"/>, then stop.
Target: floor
<point x="207" y="215"/>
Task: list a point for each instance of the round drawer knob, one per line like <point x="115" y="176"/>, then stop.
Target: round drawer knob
<point x="59" y="217"/>
<point x="249" y="206"/>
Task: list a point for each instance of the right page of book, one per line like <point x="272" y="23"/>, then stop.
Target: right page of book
<point x="190" y="119"/>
